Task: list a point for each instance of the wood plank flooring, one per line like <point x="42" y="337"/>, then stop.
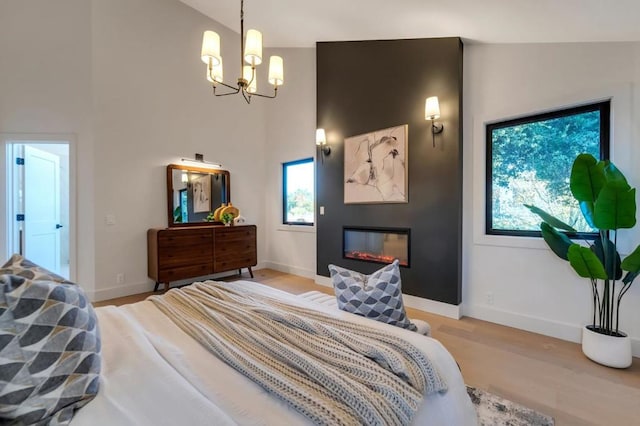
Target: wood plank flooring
<point x="547" y="374"/>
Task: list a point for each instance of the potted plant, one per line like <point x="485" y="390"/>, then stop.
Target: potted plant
<point x="608" y="204"/>
<point x="227" y="218"/>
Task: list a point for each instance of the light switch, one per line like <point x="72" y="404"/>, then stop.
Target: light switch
<point x="321" y="210"/>
<point x="110" y="219"/>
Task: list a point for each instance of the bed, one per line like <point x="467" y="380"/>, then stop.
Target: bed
<point x="153" y="373"/>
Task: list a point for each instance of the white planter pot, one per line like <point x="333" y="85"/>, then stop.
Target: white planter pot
<point x="607" y="350"/>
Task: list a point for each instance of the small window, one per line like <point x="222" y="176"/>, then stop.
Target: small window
<point x="529" y="161"/>
<point x="298" y="192"/>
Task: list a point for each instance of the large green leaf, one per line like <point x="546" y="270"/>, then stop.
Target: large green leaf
<point x="615" y="207"/>
<point x="610" y="260"/>
<point x="586" y="263"/>
<point x="631" y="263"/>
<point x="556" y="223"/>
<point x="587" y="177"/>
<point x="587" y="211"/>
<point x="612" y="173"/>
<point x="558" y="242"/>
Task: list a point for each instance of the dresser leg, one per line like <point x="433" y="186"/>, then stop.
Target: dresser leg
<point x="250" y="271"/>
<point x="166" y="286"/>
<point x="156" y="286"/>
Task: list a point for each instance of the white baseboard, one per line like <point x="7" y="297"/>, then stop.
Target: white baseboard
<point x="431" y="306"/>
<point x="121" y="291"/>
<point x="560" y="330"/>
<point x="307" y="273"/>
<point x="131" y="289"/>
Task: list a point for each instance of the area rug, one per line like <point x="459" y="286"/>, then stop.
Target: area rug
<point x="493" y="411"/>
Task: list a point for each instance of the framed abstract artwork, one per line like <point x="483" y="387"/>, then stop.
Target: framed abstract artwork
<point x="202" y="194"/>
<point x="375" y="167"/>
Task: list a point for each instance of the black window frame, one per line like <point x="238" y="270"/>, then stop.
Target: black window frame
<point x="604" y="107"/>
<point x="284" y="191"/>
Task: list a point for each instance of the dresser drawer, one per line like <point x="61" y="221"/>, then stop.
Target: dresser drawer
<point x="234" y="262"/>
<point x="185" y="238"/>
<point x="235" y="247"/>
<point x="169" y="257"/>
<point x="233" y="233"/>
<point x="184" y="272"/>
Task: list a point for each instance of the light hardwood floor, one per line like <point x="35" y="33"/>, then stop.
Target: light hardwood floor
<point x="547" y="374"/>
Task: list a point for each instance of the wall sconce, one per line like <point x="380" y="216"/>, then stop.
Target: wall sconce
<point x="432" y="112"/>
<point x="321" y="142"/>
<point x="200" y="162"/>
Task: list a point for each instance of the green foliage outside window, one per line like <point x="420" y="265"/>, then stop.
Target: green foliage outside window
<point x="298" y="192"/>
<point x="530" y="163"/>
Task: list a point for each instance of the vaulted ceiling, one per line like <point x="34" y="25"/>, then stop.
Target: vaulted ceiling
<point x="300" y="23"/>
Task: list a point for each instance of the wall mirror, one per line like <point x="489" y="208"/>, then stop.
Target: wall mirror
<point x="193" y="193"/>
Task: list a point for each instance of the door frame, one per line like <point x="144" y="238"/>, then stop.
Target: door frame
<point x="5" y="225"/>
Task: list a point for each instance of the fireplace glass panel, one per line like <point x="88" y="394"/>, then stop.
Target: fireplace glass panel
<point x="374" y="245"/>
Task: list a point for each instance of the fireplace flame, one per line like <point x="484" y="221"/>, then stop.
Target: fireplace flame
<point x="373" y="257"/>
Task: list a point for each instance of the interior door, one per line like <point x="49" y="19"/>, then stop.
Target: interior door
<point x="42" y="207"/>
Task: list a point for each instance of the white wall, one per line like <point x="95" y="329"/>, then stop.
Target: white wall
<point x="126" y="79"/>
<point x="152" y="106"/>
<point x="533" y="289"/>
<point x="45" y="88"/>
<point x="291" y="124"/>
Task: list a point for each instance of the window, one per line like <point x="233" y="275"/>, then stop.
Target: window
<point x="298" y="192"/>
<point x="529" y="161"/>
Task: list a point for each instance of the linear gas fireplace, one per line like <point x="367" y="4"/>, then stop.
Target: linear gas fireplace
<point x="379" y="245"/>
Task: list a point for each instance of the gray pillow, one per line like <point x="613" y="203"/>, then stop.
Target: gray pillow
<point x="49" y="351"/>
<point x="377" y="296"/>
<point x="18" y="265"/>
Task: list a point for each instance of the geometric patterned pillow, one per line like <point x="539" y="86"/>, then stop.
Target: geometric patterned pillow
<point x="377" y="296"/>
<point x="18" y="265"/>
<point x="49" y="351"/>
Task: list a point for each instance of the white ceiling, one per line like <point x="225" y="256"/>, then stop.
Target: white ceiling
<point x="300" y="23"/>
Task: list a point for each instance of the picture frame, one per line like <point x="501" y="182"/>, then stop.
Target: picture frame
<point x="376" y="167"/>
<point x="202" y="194"/>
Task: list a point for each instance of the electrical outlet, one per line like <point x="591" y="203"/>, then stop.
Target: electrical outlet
<point x="321" y="210"/>
<point x="110" y="219"/>
<point x="490" y="298"/>
<point x="120" y="278"/>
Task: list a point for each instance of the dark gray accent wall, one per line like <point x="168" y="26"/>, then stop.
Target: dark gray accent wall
<point x="371" y="85"/>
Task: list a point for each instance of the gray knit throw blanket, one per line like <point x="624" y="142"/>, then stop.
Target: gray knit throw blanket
<point x="332" y="371"/>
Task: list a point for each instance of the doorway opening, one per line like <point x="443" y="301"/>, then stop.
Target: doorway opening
<point x="37" y="191"/>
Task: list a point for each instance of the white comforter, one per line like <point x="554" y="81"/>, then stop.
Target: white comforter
<point x="155" y="374"/>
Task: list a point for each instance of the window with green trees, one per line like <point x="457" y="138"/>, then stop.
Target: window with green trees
<point x="298" y="192"/>
<point x="529" y="162"/>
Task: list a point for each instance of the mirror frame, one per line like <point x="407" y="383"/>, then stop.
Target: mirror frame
<point x="170" y="169"/>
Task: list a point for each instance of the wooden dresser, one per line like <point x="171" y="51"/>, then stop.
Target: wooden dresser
<point x="182" y="253"/>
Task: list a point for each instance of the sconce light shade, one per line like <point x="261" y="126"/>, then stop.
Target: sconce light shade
<point x="321" y="138"/>
<point x="432" y="112"/>
<point x="432" y="108"/>
<point x="321" y="142"/>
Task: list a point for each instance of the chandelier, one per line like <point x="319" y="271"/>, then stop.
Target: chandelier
<point x="250" y="58"/>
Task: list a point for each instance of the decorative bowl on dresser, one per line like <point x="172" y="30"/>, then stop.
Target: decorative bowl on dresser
<point x="182" y="253"/>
